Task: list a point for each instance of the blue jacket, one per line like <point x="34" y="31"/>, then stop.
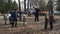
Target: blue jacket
<point x="14" y="15"/>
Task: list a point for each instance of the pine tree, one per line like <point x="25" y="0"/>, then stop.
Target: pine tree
<point x="8" y="6"/>
<point x="1" y="6"/>
<point x="42" y="5"/>
<point x="14" y="5"/>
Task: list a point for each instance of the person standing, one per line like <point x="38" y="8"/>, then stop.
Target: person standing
<point x="51" y="21"/>
<point x="5" y="19"/>
<point x="24" y="17"/>
<point x="14" y="18"/>
<point x="36" y="13"/>
<point x="46" y="21"/>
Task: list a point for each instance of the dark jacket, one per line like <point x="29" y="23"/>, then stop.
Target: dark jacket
<point x="14" y="16"/>
<point x="46" y="19"/>
<point x="36" y="11"/>
<point x="51" y="18"/>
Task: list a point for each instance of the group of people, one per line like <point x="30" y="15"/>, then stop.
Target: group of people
<point x="13" y="18"/>
<point x="48" y="18"/>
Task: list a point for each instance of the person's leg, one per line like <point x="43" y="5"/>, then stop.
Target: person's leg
<point x="46" y="23"/>
<point x="51" y="25"/>
<point x="35" y="18"/>
<point x="15" y="23"/>
<point x="12" y="23"/>
<point x="23" y="23"/>
<point x="5" y="22"/>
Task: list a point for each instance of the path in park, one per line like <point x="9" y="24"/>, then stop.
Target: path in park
<point x="30" y="28"/>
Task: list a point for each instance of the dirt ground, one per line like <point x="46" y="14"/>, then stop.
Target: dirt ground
<point x="31" y="27"/>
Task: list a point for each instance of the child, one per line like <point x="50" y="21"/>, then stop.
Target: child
<point x="5" y="19"/>
<point x="24" y="19"/>
<point x="46" y="21"/>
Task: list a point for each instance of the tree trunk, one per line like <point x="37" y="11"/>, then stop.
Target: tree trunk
<point x="25" y="6"/>
<point x="19" y="9"/>
<point x="28" y="5"/>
